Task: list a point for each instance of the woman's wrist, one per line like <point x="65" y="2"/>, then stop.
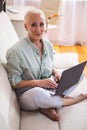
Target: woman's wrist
<point x="37" y="83"/>
<point x="54" y="72"/>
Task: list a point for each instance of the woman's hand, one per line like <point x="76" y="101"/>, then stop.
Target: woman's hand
<point x="46" y="83"/>
<point x="56" y="75"/>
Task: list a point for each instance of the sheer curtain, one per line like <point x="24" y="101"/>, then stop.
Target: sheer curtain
<point x="24" y="2"/>
<point x="72" y="26"/>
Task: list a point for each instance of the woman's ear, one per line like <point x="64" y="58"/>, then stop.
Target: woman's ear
<point x="26" y="27"/>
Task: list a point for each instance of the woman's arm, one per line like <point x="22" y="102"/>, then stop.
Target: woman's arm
<point x="44" y="83"/>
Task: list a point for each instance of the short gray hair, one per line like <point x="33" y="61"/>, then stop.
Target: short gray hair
<point x="33" y="10"/>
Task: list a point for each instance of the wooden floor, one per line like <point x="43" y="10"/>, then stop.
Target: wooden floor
<point x="81" y="50"/>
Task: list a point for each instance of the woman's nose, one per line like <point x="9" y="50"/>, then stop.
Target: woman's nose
<point x="38" y="28"/>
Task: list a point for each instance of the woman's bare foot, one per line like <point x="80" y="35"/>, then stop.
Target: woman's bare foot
<point x="70" y="101"/>
<point x="51" y="113"/>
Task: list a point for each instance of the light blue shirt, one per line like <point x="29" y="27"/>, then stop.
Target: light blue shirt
<point x="24" y="63"/>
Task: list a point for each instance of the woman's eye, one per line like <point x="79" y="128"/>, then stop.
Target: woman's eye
<point x="41" y="24"/>
<point x="33" y="25"/>
<point x="36" y="25"/>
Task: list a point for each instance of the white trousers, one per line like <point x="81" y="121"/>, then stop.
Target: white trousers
<point x="39" y="98"/>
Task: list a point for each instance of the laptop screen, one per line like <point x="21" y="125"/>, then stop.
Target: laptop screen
<point x="70" y="77"/>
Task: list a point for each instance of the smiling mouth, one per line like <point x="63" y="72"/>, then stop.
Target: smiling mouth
<point x="38" y="34"/>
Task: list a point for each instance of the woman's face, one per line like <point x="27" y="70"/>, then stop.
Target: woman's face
<point x="35" y="27"/>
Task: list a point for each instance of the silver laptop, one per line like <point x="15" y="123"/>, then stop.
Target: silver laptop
<point x="70" y="77"/>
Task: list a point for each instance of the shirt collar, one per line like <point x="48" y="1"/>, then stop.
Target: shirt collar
<point x="35" y="48"/>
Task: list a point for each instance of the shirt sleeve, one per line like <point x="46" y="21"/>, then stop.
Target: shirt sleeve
<point x="13" y="67"/>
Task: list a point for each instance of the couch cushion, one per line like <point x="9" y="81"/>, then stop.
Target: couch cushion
<point x="8" y="35"/>
<point x="3" y="125"/>
<point x="9" y="108"/>
<point x="75" y="117"/>
<point x="65" y="60"/>
<point x="37" y="121"/>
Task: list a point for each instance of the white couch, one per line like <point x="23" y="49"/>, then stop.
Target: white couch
<point x="12" y="118"/>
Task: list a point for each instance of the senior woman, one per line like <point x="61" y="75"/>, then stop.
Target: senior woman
<point x="30" y="66"/>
